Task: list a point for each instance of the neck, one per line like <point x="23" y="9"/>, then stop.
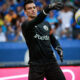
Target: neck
<point x="29" y="18"/>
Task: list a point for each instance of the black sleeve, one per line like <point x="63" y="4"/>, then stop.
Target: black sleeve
<point x="30" y="24"/>
<point x="54" y="41"/>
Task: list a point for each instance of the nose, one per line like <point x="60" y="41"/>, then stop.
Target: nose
<point x="33" y="10"/>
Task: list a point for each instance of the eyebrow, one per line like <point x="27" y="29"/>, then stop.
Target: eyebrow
<point x="31" y="7"/>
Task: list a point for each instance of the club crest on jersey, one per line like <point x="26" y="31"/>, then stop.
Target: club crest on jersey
<point x="35" y="26"/>
<point x="45" y="27"/>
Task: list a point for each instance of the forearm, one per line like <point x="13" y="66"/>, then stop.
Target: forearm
<point x="54" y="42"/>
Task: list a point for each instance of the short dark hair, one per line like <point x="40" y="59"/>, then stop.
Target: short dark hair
<point x="27" y="2"/>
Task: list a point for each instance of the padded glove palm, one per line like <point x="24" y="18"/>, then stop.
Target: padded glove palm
<point x="60" y="52"/>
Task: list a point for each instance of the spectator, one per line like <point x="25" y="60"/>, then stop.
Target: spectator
<point x="18" y="31"/>
<point x="39" y="6"/>
<point x="65" y="17"/>
<point x="77" y="3"/>
<point x="44" y="3"/>
<point x="19" y="11"/>
<point x="15" y="30"/>
<point x="11" y="15"/>
<point x="57" y="30"/>
<point x="1" y="19"/>
<point x="2" y="23"/>
<point x="2" y="35"/>
<point x="51" y="19"/>
<point x="78" y="36"/>
<point x="76" y="28"/>
<point x="4" y="29"/>
<point x="12" y="5"/>
<point x="11" y="9"/>
<point x="5" y="9"/>
<point x="2" y="2"/>
<point x="20" y="2"/>
<point x="10" y="34"/>
<point x="22" y="19"/>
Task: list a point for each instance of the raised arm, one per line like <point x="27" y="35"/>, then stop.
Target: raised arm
<point x="42" y="15"/>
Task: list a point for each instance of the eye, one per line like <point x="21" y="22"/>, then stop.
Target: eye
<point x="29" y="8"/>
<point x="34" y="7"/>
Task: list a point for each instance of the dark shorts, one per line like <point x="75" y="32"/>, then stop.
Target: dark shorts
<point x="49" y="71"/>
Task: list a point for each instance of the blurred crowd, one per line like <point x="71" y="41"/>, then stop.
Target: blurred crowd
<point x="62" y="22"/>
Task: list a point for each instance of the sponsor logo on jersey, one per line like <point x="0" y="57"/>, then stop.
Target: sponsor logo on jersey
<point x="41" y="37"/>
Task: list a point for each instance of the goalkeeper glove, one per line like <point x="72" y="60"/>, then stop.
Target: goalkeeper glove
<point x="60" y="52"/>
<point x="53" y="6"/>
<point x="57" y="5"/>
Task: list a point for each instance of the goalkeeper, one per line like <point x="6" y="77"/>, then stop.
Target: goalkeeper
<point x="42" y="62"/>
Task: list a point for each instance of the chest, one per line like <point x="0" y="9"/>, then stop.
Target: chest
<point x="42" y="29"/>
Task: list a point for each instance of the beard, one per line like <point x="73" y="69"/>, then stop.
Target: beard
<point x="33" y="16"/>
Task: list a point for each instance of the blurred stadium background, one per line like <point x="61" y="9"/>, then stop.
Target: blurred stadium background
<point x="13" y="49"/>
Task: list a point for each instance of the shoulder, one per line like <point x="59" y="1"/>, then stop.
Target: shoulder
<point x="24" y="23"/>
